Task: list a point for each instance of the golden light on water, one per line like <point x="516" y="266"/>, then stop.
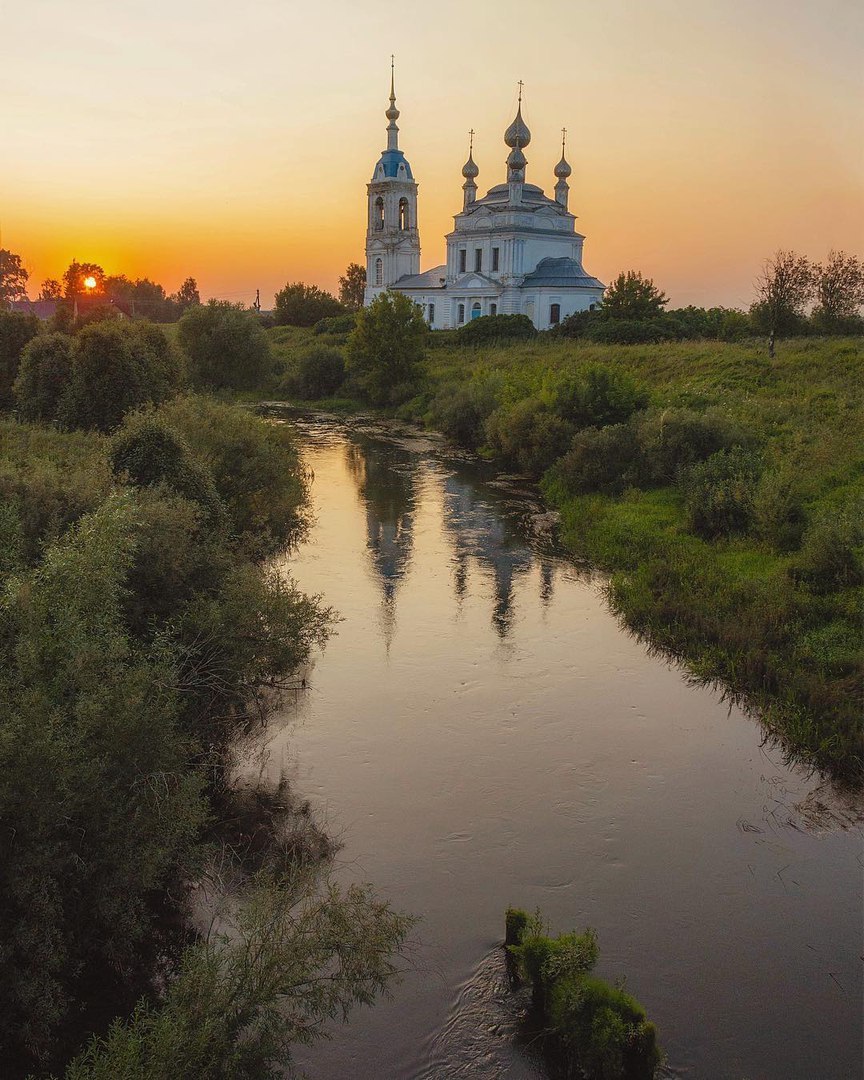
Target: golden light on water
<point x="90" y="282"/>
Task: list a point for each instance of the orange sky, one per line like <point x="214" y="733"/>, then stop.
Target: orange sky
<point x="234" y="143"/>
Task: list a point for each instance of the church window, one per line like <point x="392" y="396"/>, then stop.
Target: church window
<point x="463" y="256"/>
<point x="379" y="272"/>
<point x="403" y="214"/>
<point x="379" y="213"/>
<point x="555" y="314"/>
<point x="478" y="260"/>
<point x="475" y="310"/>
<point x="495" y="253"/>
<point x="592" y="307"/>
<point x="431" y="314"/>
<point x="461" y="314"/>
<point x="493" y="309"/>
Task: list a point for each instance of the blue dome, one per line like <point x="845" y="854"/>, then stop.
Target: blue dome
<point x="391" y="160"/>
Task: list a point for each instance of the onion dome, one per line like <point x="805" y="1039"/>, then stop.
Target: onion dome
<point x="518" y="134"/>
<point x="516" y="159"/>
<point x="470" y="169"/>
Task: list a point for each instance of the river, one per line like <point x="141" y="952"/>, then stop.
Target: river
<point x="482" y="731"/>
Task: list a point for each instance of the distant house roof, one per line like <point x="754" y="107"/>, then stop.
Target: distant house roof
<point x="42" y="309"/>
<point x="554" y="273"/>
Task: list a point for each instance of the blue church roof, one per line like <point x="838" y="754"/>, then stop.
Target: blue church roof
<point x="561" y="272"/>
<point x="391" y="160"/>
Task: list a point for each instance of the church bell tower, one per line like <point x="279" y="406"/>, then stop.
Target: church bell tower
<point x="392" y="237"/>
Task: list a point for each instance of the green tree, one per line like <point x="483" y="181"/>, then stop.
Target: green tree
<point x="225" y="345"/>
<point x="13" y="278"/>
<point x="15" y="331"/>
<point x="116" y="367"/>
<point x="783" y="288"/>
<point x="303" y="305"/>
<point x="839" y="289"/>
<point x="76" y="274"/>
<point x="187" y="295"/>
<point x="352" y="286"/>
<point x="386" y="348"/>
<point x="50" y="289"/>
<point x="634" y="297"/>
<point x="291" y="957"/>
<point x="44" y="376"/>
<point x="96" y="795"/>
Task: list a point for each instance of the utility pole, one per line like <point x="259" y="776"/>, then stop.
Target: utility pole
<point x="257" y="304"/>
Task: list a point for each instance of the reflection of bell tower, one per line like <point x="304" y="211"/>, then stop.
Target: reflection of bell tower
<point x="392" y="237"/>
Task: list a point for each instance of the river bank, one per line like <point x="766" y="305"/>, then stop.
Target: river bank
<point x="741" y="609"/>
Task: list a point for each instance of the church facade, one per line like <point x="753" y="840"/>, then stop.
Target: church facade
<point x="513" y="251"/>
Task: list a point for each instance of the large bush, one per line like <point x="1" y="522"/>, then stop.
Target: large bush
<point x="255" y="466"/>
<point x="225" y="345"/>
<point x="319" y="372"/>
<point x="461" y="410"/>
<point x="497" y="328"/>
<point x="15" y="331"/>
<point x="614" y="331"/>
<point x="606" y="460"/>
<point x="719" y="492"/>
<point x="528" y="435"/>
<point x="149" y="453"/>
<point x="673" y="439"/>
<point x="386" y="348"/>
<point x="44" y="376"/>
<point x="599" y="396"/>
<point x="832" y="554"/>
<point x="117" y="366"/>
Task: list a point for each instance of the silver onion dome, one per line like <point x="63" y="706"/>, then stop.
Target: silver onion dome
<point x="517" y="134"/>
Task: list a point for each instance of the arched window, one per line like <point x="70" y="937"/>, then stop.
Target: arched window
<point x="493" y="308"/>
<point x="461" y="318"/>
<point x="431" y="314"/>
<point x="403" y="214"/>
<point x="379" y="272"/>
<point x="554" y="314"/>
<point x="379" y="213"/>
<point x="475" y="310"/>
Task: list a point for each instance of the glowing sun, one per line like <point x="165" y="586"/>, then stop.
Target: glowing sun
<point x="90" y="282"/>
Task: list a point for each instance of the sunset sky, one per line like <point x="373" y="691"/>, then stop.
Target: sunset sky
<point x="234" y="142"/>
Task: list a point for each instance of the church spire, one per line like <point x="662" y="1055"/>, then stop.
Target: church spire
<point x="470" y="172"/>
<point x="562" y="171"/>
<point x="517" y="136"/>
<point x="392" y="113"/>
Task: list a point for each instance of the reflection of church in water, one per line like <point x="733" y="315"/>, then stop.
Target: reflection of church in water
<point x="481" y="533"/>
<point x="387" y="480"/>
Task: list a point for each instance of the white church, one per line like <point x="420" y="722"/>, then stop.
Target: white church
<point x="513" y="251"/>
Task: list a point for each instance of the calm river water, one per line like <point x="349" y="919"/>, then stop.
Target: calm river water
<point x="482" y="732"/>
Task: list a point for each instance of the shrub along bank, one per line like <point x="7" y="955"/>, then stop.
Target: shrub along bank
<point x="140" y="633"/>
<point x="721" y="489"/>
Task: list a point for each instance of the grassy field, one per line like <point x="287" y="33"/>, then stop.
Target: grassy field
<point x="776" y="623"/>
